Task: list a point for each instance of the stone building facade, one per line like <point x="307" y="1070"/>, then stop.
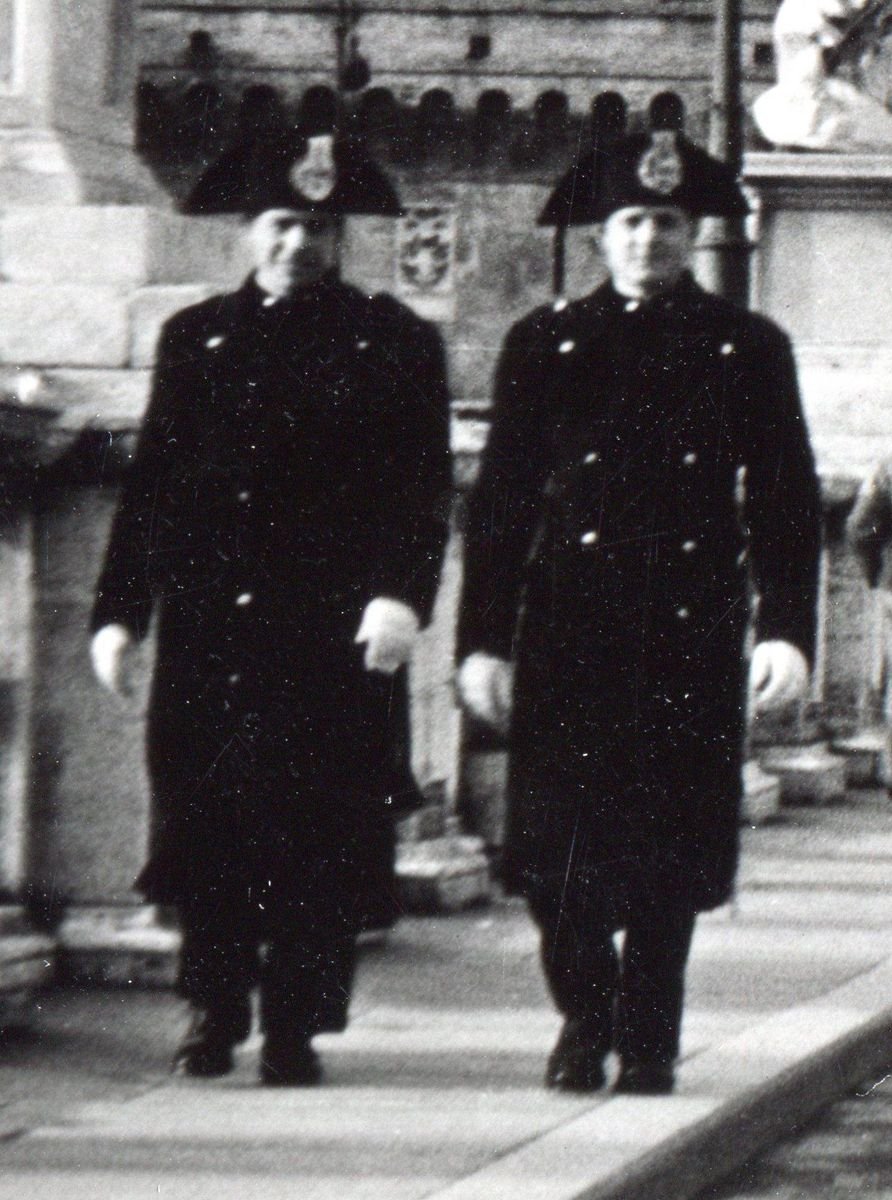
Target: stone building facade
<point x="565" y="51"/>
<point x="498" y="90"/>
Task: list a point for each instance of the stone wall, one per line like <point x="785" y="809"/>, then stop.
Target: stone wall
<point x="577" y="47"/>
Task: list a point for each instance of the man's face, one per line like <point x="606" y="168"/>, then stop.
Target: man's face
<point x="291" y="249"/>
<point x="646" y="249"/>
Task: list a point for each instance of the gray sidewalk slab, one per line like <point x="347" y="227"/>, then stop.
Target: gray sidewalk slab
<point x="435" y="1089"/>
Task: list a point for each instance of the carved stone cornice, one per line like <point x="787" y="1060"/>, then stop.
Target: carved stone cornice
<point x="819" y="181"/>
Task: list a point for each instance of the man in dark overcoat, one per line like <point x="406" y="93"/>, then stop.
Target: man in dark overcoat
<point x="283" y="520"/>
<point x="647" y="461"/>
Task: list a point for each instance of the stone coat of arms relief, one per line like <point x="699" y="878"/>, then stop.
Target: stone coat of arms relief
<point x="425" y="259"/>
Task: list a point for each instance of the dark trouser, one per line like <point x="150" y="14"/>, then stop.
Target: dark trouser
<point x="631" y="1003"/>
<point x="305" y="976"/>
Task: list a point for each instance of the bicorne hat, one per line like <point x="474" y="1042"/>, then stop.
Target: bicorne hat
<point x="655" y="169"/>
<point x="319" y="173"/>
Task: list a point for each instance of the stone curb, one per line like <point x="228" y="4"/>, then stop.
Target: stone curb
<point x="733" y="1101"/>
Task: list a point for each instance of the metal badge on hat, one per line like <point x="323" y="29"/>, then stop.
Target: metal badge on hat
<point x="314" y="175"/>
<point x="660" y="167"/>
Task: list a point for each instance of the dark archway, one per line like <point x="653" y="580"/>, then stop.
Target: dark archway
<point x="543" y="136"/>
<point x="436" y="125"/>
<point x="551" y="116"/>
<point x="666" y="111"/>
<point x="491" y="125"/>
<point x="609" y="115"/>
<point x="379" y="120"/>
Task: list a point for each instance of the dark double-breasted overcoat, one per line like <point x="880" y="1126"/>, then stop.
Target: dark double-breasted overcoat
<point x="646" y="461"/>
<point x="292" y="466"/>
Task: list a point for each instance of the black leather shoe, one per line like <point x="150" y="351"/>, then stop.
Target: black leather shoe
<point x="576" y="1064"/>
<point x="285" y="1062"/>
<point x="645" y="1079"/>
<point x="206" y="1050"/>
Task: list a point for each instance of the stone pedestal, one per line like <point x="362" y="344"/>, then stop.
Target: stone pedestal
<point x="761" y="795"/>
<point x="824" y="232"/>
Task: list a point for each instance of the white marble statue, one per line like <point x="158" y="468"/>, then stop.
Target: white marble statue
<point x="809" y="108"/>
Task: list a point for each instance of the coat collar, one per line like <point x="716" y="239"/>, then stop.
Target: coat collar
<point x="605" y="313"/>
<point x="252" y="299"/>
<point x="682" y="298"/>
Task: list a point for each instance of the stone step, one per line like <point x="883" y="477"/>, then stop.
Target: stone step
<point x="111" y="946"/>
<point x="443" y="874"/>
<point x="27" y="965"/>
<point x="807" y="774"/>
<point x="863" y="753"/>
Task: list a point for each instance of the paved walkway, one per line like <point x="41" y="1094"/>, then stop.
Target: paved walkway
<point x="435" y="1090"/>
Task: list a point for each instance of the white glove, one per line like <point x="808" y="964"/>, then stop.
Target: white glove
<point x="111" y="652"/>
<point x="778" y="675"/>
<point x="485" y="685"/>
<point x="389" y="629"/>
